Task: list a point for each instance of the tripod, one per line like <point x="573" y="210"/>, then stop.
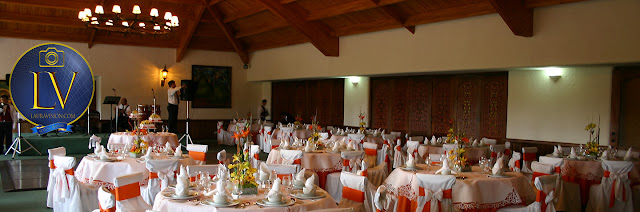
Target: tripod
<point x="16" y="146"/>
<point x="186" y="135"/>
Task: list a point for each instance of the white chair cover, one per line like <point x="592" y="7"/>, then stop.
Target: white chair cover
<point x="254" y="150"/>
<point x="69" y="194"/>
<point x="541" y="168"/>
<point x="371" y="153"/>
<point x="197" y="151"/>
<point x="60" y="151"/>
<point x="546" y="186"/>
<point x="615" y="184"/>
<point x="333" y="185"/>
<point x="496" y="149"/>
<point x="283" y="169"/>
<point x="398" y="158"/>
<point x="435" y="188"/>
<point x="489" y="141"/>
<point x="514" y="162"/>
<point x="224" y="137"/>
<point x="222" y="157"/>
<point x="286" y="133"/>
<point x="382" y="200"/>
<point x="356" y="193"/>
<point x="127" y="187"/>
<point x="289" y="157"/>
<point x="163" y="169"/>
<point x="106" y="200"/>
<point x="378" y="174"/>
<point x="526" y="168"/>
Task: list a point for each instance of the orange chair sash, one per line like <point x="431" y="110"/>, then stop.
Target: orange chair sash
<point x="283" y="175"/>
<point x="388" y="161"/>
<point x="557" y="169"/>
<point x="153" y="175"/>
<point x="446" y="194"/>
<point x="69" y="172"/>
<point x="507" y="152"/>
<point x="275" y="146"/>
<point x="51" y="164"/>
<point x="364" y="173"/>
<point x="540" y="197"/>
<point x="529" y="156"/>
<point x="612" y="196"/>
<point x="199" y="156"/>
<point x="372" y="152"/>
<point x="345" y="162"/>
<point x="494" y="154"/>
<point x="256" y="156"/>
<point x="112" y="209"/>
<point x="128" y="191"/>
<point x="352" y="194"/>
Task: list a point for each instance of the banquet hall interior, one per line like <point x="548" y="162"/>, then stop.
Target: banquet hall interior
<point x="368" y="105"/>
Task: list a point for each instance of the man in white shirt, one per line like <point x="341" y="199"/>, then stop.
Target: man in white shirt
<point x="172" y="107"/>
<point x="123" y="114"/>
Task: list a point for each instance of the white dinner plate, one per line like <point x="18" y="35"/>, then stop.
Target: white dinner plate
<point x="301" y="195"/>
<point x="173" y="196"/>
<point x="499" y="176"/>
<point x="286" y="202"/>
<point x="404" y="167"/>
<point x="228" y="204"/>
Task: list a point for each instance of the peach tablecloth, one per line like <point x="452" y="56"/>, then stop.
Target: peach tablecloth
<point x="99" y="173"/>
<point x="370" y="139"/>
<point x="119" y="139"/>
<point x="589" y="172"/>
<point x="163" y="204"/>
<point x="322" y="163"/>
<point x="477" y="192"/>
<point x="473" y="153"/>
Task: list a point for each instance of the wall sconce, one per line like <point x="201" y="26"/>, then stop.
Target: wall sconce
<point x="554" y="73"/>
<point x="354" y="80"/>
<point x="165" y="74"/>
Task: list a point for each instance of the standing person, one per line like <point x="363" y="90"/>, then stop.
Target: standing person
<point x="6" y="122"/>
<point x="263" y="111"/>
<point x="172" y="107"/>
<point x="123" y="114"/>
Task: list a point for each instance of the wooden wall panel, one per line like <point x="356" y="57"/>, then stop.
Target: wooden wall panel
<point x="425" y="105"/>
<point x="305" y="98"/>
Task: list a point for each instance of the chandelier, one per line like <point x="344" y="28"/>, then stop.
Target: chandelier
<point x="118" y="22"/>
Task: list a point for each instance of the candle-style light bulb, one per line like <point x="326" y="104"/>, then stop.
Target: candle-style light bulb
<point x="136" y="10"/>
<point x="167" y="16"/>
<point x="126" y="24"/>
<point x="87" y="12"/>
<point x="154" y="12"/>
<point x="174" y="21"/>
<point x="99" y="10"/>
<point x="141" y="24"/>
<point x="156" y="27"/>
<point x="81" y="15"/>
<point x="116" y="9"/>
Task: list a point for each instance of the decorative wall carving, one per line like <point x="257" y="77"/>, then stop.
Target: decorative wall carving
<point x="305" y="98"/>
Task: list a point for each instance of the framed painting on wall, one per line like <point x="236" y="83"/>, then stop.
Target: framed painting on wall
<point x="211" y="86"/>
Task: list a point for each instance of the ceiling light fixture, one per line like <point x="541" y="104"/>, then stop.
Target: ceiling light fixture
<point x="118" y="22"/>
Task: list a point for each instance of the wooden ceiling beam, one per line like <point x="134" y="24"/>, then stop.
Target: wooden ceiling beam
<point x="41" y="20"/>
<point x="465" y="11"/>
<point x="188" y="33"/>
<point x="516" y="15"/>
<point x="251" y="11"/>
<point x="261" y="29"/>
<point x="228" y="32"/>
<point x="349" y="7"/>
<point x="396" y="15"/>
<point x="92" y="37"/>
<point x="317" y="33"/>
<point x="82" y="38"/>
<point x="542" y="3"/>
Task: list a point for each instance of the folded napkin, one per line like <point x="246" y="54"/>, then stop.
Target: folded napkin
<point x="481" y="142"/>
<point x="310" y="185"/>
<point x="605" y="155"/>
<point x="284" y="144"/>
<point x="178" y="152"/>
<point x="475" y="143"/>
<point x="380" y="198"/>
<point x="274" y="193"/>
<point x="182" y="182"/>
<point x="308" y="147"/>
<point x="149" y="154"/>
<point x="410" y="160"/>
<point x="629" y="155"/>
<point x="445" y="170"/>
<point x="573" y="154"/>
<point x="433" y="140"/>
<point x="560" y="150"/>
<point x="97" y="150"/>
<point x="222" y="155"/>
<point x="555" y="151"/>
<point x="94" y="141"/>
<point x="168" y="148"/>
<point x="264" y="173"/>
<point x="426" y="141"/>
<point x="336" y="146"/>
<point x="497" y="168"/>
<point x="512" y="162"/>
<point x="223" y="172"/>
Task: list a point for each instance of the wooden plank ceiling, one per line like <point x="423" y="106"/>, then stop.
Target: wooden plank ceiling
<point x="245" y="26"/>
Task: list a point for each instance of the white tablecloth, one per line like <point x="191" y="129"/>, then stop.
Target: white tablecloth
<point x="163" y="204"/>
<point x="478" y="191"/>
<point x="99" y="173"/>
<point x="322" y="163"/>
<point x="119" y="139"/>
<point x="301" y="134"/>
<point x="370" y="139"/>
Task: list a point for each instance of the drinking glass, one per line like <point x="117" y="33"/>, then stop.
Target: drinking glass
<point x="237" y="187"/>
<point x="286" y="182"/>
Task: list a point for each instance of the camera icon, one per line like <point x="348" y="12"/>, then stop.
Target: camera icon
<point x="51" y="57"/>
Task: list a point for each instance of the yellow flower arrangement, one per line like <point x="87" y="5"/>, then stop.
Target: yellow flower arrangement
<point x="138" y="146"/>
<point x="594" y="140"/>
<point x="461" y="155"/>
<point x="242" y="170"/>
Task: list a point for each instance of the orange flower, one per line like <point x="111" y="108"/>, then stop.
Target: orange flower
<point x="465" y="139"/>
<point x="245" y="133"/>
<point x="310" y="127"/>
<point x="237" y="135"/>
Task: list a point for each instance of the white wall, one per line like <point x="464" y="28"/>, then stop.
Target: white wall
<point x="133" y="71"/>
<point x="540" y="108"/>
<point x="356" y="100"/>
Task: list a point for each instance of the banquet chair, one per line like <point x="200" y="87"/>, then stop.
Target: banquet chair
<point x="514" y="162"/>
<point x="541" y="169"/>
<point x="106" y="200"/>
<point x="545" y="195"/>
<point x="128" y="194"/>
<point x="224" y="137"/>
<point x="222" y="157"/>
<point x="371" y="153"/>
<point x="69" y="194"/>
<point x="193" y="171"/>
<point x="384" y="156"/>
<point x="507" y="148"/>
<point x="286" y="133"/>
<point x="60" y="151"/>
<point x="161" y="173"/>
<point x="528" y="155"/>
<point x="198" y="152"/>
<point x="283" y="169"/>
<point x="436" y="159"/>
<point x="358" y="138"/>
<point x="614" y="191"/>
<point x="565" y="196"/>
<point x="265" y="140"/>
<point x="622" y="152"/>
<point x="349" y="164"/>
<point x="254" y="150"/>
<point x="382" y="200"/>
<point x="292" y="157"/>
<point x="496" y="149"/>
<point x="489" y="141"/>
<point x="271" y="144"/>
<point x="437" y="192"/>
<point x="398" y="156"/>
<point x="357" y="192"/>
<point x="324" y="135"/>
<point x="378" y="174"/>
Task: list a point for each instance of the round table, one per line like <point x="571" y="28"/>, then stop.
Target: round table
<point x="119" y="139"/>
<point x="476" y="192"/>
<point x="99" y="173"/>
<point x="232" y="127"/>
<point x="473" y="153"/>
<point x="369" y="138"/>
<point x="321" y="162"/>
<point x="163" y="204"/>
<point x="301" y="134"/>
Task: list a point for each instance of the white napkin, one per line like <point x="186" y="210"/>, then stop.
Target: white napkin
<point x="149" y="155"/>
<point x="481" y="142"/>
<point x="555" y="151"/>
<point x="410" y="161"/>
<point x="300" y="175"/>
<point x="97" y="150"/>
<point x="178" y="152"/>
<point x="605" y="155"/>
<point x="380" y="198"/>
<point x="433" y="140"/>
<point x="222" y="155"/>
<point x="475" y="143"/>
<point x="308" y="147"/>
<point x="336" y="146"/>
<point x="275" y="189"/>
<point x="629" y="155"/>
<point x="265" y="173"/>
<point x="497" y="168"/>
<point x="573" y="154"/>
<point x="223" y="172"/>
<point x="445" y="170"/>
<point x="168" y="148"/>
<point x="560" y="150"/>
<point x="426" y="141"/>
<point x="182" y="182"/>
<point x="310" y="185"/>
<point x="94" y="141"/>
<point x="284" y="144"/>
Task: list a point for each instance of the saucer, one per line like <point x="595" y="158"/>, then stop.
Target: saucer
<point x="286" y="202"/>
<point x="499" y="176"/>
<point x="301" y="195"/>
<point x="406" y="168"/>
<point x="173" y="196"/>
<point x="227" y="204"/>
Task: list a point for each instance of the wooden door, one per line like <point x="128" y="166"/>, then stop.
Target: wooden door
<point x="625" y="99"/>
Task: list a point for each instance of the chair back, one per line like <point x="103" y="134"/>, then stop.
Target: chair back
<point x="615" y="182"/>
<point x="489" y="141"/>
<point x="546" y="191"/>
<point x="106" y="200"/>
<point x="348" y="157"/>
<point x="254" y="150"/>
<point x="354" y="189"/>
<point x="381" y="200"/>
<point x="60" y="151"/>
<point x="555" y="162"/>
<point x="128" y="193"/>
<point x="290" y="157"/>
<point x="198" y="152"/>
<point x="283" y="169"/>
<point x="371" y="153"/>
<point x="541" y="169"/>
<point x="193" y="171"/>
<point x="514" y="162"/>
<point x="413" y="146"/>
<point x="435" y="192"/>
<point x="528" y="155"/>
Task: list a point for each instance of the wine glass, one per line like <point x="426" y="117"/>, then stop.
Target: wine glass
<point x="237" y="187"/>
<point x="428" y="162"/>
<point x="286" y="182"/>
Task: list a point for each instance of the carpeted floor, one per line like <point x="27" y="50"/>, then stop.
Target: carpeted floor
<point x="34" y="169"/>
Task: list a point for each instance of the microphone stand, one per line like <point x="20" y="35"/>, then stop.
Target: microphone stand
<point x="117" y="113"/>
<point x="16" y="146"/>
<point x="154" y="106"/>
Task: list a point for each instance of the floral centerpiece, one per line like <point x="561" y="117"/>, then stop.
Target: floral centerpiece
<point x="315" y="128"/>
<point x="298" y="122"/>
<point x="139" y="147"/>
<point x="459" y="159"/>
<point x="454" y="135"/>
<point x="594" y="139"/>
<point x="242" y="173"/>
<point x="362" y="124"/>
